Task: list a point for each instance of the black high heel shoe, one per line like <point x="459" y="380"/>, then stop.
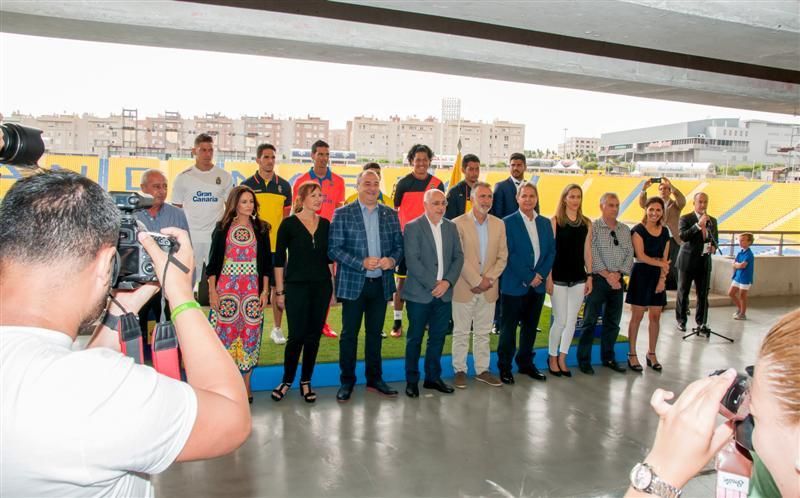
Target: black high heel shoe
<point x="554" y="373"/>
<point x="307" y="393"/>
<point x="279" y="392"/>
<point x="654" y="365"/>
<point x="635" y="368"/>
<point x="565" y="372"/>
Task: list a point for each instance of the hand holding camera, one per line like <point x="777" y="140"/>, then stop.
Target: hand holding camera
<point x="688" y="435"/>
<point x="177" y="283"/>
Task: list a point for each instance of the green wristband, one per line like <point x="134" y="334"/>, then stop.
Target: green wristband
<point x="188" y="305"/>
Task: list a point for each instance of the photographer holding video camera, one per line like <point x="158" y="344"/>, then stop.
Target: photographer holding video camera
<point x="92" y="422"/>
<point x="688" y="435"/>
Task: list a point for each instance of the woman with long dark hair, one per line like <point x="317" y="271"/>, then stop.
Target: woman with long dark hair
<point x="647" y="287"/>
<point x="571" y="278"/>
<point x="239" y="269"/>
<point x="303" y="286"/>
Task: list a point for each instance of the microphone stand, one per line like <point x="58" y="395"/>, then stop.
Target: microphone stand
<point x="704" y="329"/>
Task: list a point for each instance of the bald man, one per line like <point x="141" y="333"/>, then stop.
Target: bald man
<point x="434" y="259"/>
<point x="160" y="215"/>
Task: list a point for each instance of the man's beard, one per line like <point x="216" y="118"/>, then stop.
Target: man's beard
<point x="91" y="319"/>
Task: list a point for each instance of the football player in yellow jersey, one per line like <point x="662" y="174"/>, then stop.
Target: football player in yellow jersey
<point x="382" y="198"/>
<point x="274" y="196"/>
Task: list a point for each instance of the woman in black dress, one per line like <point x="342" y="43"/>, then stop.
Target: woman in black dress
<point x="646" y="291"/>
<point x="303" y="286"/>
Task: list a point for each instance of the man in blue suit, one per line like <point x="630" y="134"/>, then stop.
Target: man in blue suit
<point x="531" y="251"/>
<point x="504" y="203"/>
<point x="504" y="200"/>
<point x="434" y="259"/>
<point x="366" y="242"/>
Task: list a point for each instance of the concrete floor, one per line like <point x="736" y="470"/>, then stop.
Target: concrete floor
<point x="563" y="437"/>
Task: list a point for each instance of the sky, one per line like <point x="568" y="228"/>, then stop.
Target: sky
<point x="46" y="75"/>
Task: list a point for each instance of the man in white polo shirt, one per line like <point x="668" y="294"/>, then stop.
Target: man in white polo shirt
<point x="202" y="191"/>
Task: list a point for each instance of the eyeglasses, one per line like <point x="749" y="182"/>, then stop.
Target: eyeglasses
<point x="439" y="203"/>
<point x="614" y="236"/>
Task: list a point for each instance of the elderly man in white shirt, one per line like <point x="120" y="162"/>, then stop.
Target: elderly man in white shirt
<point x="434" y="259"/>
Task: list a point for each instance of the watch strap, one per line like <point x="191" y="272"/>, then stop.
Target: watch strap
<point x="663" y="489"/>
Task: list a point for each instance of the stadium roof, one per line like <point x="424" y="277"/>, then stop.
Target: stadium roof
<point x="723" y="53"/>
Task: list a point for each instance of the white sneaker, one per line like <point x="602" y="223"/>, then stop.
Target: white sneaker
<point x="277" y="336"/>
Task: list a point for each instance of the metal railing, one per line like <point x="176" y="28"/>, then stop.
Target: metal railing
<point x="764" y="238"/>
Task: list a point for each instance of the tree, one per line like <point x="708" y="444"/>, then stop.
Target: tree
<point x="591" y="165"/>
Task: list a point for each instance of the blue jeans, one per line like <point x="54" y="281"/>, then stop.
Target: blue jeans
<point x="436" y="315"/>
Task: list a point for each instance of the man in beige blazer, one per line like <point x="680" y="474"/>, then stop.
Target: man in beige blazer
<point x="483" y="240"/>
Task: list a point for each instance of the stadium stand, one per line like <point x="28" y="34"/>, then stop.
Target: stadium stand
<point x="739" y="204"/>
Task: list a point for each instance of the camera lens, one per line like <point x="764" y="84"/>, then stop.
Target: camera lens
<point x="23" y="146"/>
<point x="735" y="394"/>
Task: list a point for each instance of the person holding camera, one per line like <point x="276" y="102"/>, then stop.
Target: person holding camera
<point x="239" y="269"/>
<point x="92" y="422"/>
<point x="688" y="435"/>
<point x="674" y="202"/>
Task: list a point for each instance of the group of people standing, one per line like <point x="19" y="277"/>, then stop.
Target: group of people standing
<point x="467" y="261"/>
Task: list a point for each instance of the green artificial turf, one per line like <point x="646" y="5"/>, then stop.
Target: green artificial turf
<point x="272" y="354"/>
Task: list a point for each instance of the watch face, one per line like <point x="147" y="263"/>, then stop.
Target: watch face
<point x="641" y="475"/>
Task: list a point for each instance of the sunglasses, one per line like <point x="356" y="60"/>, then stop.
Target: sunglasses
<point x="614" y="236"/>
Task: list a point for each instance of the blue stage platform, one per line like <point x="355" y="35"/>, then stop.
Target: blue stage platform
<point x="327" y="374"/>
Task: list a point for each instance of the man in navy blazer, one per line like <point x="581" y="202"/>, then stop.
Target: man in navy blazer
<point x="504" y="203"/>
<point x="366" y="242"/>
<point x="531" y="252"/>
<point x="434" y="259"/>
<point x="504" y="200"/>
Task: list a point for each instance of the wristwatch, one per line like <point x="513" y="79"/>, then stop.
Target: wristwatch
<point x="644" y="479"/>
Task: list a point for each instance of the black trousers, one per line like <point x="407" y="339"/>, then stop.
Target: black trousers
<point x="698" y="272"/>
<point x="306" y="309"/>
<point x="371" y="306"/>
<point x="524" y="310"/>
<point x="152" y="306"/>
<point x="602" y="295"/>
<point x="672" y="276"/>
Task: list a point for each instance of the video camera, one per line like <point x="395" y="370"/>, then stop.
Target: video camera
<point x="134" y="267"/>
<point x="22" y="146"/>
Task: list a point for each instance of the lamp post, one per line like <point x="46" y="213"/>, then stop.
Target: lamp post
<point x="725" y="152"/>
<point x="564" y="151"/>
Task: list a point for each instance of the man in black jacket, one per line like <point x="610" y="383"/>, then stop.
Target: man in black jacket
<point x="699" y="234"/>
<point x="458" y="197"/>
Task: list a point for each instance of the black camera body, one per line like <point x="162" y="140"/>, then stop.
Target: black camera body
<point x="735" y="406"/>
<point x="134" y="267"/>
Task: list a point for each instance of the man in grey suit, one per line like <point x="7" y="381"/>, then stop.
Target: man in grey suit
<point x="434" y="260"/>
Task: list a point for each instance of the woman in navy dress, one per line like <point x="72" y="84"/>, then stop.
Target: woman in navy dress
<point x="647" y="288"/>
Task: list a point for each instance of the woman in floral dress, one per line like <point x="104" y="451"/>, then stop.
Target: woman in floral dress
<point x="239" y="269"/>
